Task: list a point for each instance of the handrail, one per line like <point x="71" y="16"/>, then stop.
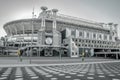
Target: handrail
<point x="106" y="52"/>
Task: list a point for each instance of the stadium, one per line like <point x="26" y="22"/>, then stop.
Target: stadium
<point x="54" y="34"/>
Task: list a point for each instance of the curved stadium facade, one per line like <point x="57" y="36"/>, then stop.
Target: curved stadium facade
<point x="52" y="34"/>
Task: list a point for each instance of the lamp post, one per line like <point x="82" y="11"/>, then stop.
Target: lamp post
<point x="6" y="44"/>
<point x="60" y="53"/>
<point x="83" y="54"/>
<point x="32" y="35"/>
<point x="30" y="52"/>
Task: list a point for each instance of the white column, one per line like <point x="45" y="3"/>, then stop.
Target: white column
<point x="39" y="51"/>
<point x="43" y="17"/>
<point x="43" y="24"/>
<point x="116" y="29"/>
<point x="77" y="34"/>
<point x="116" y="55"/>
<point x="54" y="18"/>
<point x="110" y="25"/>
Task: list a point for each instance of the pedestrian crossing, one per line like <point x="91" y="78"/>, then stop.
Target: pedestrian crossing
<point x="105" y="71"/>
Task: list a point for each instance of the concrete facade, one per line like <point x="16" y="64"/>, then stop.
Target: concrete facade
<point x="72" y="35"/>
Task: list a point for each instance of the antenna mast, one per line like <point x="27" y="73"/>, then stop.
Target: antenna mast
<point x="33" y="16"/>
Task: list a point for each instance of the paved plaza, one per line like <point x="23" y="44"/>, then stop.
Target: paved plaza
<point x="90" y="69"/>
<point x="96" y="71"/>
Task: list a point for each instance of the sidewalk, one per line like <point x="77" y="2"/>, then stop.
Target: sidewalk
<point x="46" y="61"/>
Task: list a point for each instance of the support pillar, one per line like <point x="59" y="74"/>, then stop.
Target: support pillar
<point x="60" y="51"/>
<point x="96" y="55"/>
<point x="105" y="55"/>
<point x="39" y="52"/>
<point x="116" y="55"/>
<point x="43" y="17"/>
<point x="54" y="18"/>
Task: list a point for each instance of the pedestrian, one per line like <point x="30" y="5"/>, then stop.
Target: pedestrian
<point x="19" y="55"/>
<point x="83" y="54"/>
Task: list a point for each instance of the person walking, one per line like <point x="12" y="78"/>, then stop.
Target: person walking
<point x="83" y="54"/>
<point x="19" y="55"/>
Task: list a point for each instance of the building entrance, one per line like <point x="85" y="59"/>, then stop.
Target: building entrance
<point x="48" y="52"/>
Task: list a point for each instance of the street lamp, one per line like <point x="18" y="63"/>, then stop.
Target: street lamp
<point x="32" y="34"/>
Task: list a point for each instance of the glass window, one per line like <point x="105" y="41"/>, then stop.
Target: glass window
<point x="94" y="35"/>
<point x="72" y="53"/>
<point x="89" y="41"/>
<point x="72" y="39"/>
<point x="76" y="40"/>
<point x="72" y="44"/>
<point x="73" y="48"/>
<point x="82" y="40"/>
<point x="110" y="37"/>
<point x="88" y="35"/>
<point x="79" y="40"/>
<point x="95" y="41"/>
<point x="73" y="32"/>
<point x="76" y="54"/>
<point x="105" y="37"/>
<point x="92" y="41"/>
<point x="100" y="36"/>
<point x="80" y="34"/>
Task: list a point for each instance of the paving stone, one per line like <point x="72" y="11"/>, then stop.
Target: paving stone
<point x="111" y="75"/>
<point x="2" y="78"/>
<point x="118" y="74"/>
<point x="101" y="76"/>
<point x="115" y="79"/>
<point x="90" y="77"/>
<point x="49" y="75"/>
<point x="100" y="73"/>
<point x="54" y="78"/>
<point x="19" y="79"/>
<point x="91" y="74"/>
<point x="61" y="74"/>
<point x="4" y="75"/>
<point x="72" y="73"/>
<point x="83" y="72"/>
<point x="67" y="76"/>
<point x="76" y="79"/>
<point x="34" y="77"/>
<point x="18" y="76"/>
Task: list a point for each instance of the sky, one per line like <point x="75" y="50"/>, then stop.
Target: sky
<point x="104" y="11"/>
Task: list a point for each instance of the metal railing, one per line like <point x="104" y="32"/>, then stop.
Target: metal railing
<point x="107" y="52"/>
